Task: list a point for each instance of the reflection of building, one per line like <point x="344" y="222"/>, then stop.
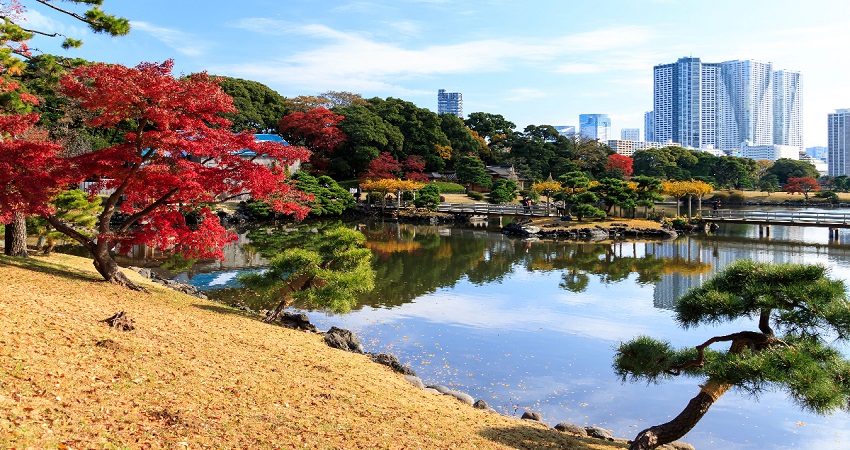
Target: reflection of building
<point x="565" y="130"/>
<point x="450" y="103"/>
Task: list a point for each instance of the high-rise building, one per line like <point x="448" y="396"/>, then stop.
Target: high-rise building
<point x="630" y="134"/>
<point x="595" y="126"/>
<point x="819" y="152"/>
<point x="649" y="126"/>
<point x="565" y="130"/>
<point x="450" y="103"/>
<point x="787" y="108"/>
<point x="722" y="105"/>
<point x="838" y="136"/>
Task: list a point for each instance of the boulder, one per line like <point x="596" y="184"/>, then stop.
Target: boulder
<point x="392" y="362"/>
<point x="529" y="415"/>
<point x="679" y="445"/>
<point x="481" y="404"/>
<point x="462" y="396"/>
<point x="297" y="322"/>
<point x="343" y="339"/>
<point x="414" y="380"/>
<point x="570" y="428"/>
<point x="599" y="433"/>
<point x="439" y="388"/>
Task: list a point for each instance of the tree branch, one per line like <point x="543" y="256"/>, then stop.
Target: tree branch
<point x="739" y="340"/>
<point x="64" y="11"/>
<point x="141" y="213"/>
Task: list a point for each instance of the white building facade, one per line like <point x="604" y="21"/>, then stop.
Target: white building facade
<point x="630" y="134"/>
<point x="722" y="105"/>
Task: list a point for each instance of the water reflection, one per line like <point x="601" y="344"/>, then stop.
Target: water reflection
<point x="532" y="324"/>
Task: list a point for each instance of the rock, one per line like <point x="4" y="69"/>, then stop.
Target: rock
<point x="440" y="388"/>
<point x="481" y="404"/>
<point x="145" y="273"/>
<point x="462" y="396"/>
<point x="343" y="339"/>
<point x="392" y="362"/>
<point x="414" y="380"/>
<point x="531" y="416"/>
<point x="599" y="433"/>
<point x="298" y="322"/>
<point x="432" y="391"/>
<point x="679" y="445"/>
<point x="570" y="428"/>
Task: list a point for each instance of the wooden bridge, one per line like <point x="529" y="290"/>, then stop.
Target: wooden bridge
<point x="764" y="219"/>
<point x="502" y="209"/>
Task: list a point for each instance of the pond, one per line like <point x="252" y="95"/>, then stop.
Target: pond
<point x="532" y="325"/>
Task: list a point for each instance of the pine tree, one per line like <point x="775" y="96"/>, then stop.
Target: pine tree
<point x="800" y="312"/>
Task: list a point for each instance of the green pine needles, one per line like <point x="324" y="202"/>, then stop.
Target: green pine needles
<point x="799" y="312"/>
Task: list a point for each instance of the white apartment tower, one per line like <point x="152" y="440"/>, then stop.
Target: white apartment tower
<point x="450" y="103"/>
<point x="722" y="105"/>
<point x="839" y="142"/>
<point x="787" y="108"/>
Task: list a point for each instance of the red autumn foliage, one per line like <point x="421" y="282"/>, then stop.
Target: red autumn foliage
<point x="384" y="166"/>
<point x="414" y="168"/>
<point x="621" y="162"/>
<point x="177" y="158"/>
<point x="315" y="129"/>
<point x="801" y="185"/>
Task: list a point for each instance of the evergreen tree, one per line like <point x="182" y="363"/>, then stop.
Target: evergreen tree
<point x="799" y="311"/>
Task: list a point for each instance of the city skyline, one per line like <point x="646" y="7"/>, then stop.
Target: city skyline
<point x="517" y="61"/>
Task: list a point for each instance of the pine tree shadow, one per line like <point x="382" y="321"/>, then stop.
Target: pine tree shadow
<point x="531" y="437"/>
<point x="224" y="309"/>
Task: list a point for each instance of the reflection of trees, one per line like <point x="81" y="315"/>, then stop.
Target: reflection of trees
<point x="415" y="260"/>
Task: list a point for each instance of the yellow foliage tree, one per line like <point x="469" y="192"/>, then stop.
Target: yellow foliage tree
<point x="387" y="185"/>
<point x="547" y="188"/>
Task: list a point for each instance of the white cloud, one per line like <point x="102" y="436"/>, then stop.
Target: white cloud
<point x="359" y="61"/>
<point x="182" y="42"/>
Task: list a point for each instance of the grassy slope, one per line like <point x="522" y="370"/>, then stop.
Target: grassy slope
<point x="197" y="374"/>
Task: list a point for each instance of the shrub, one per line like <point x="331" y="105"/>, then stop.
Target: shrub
<point x="475" y="195"/>
<point x="450" y="188"/>
<point x="735" y="197"/>
<point x="428" y="197"/>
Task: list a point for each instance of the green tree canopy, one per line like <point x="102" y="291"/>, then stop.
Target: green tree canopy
<point x="785" y="168"/>
<point x="367" y="136"/>
<point x="799" y="311"/>
<point x="471" y="170"/>
<point x="328" y="197"/>
<point x="328" y="270"/>
<point x="259" y="106"/>
<point x="503" y="191"/>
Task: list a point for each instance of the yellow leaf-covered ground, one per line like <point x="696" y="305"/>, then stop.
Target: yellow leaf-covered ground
<point x="195" y="374"/>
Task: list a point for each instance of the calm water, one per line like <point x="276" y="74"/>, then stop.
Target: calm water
<point x="533" y="325"/>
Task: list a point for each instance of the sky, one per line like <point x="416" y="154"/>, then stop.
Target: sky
<point x="534" y="62"/>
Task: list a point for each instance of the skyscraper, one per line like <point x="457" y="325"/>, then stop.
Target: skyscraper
<point x="722" y="105"/>
<point x="630" y="134"/>
<point x="450" y="103"/>
<point x="649" y="126"/>
<point x="595" y="126"/>
<point x="839" y="142"/>
<point x="787" y="108"/>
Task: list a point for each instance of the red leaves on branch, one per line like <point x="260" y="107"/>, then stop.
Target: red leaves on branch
<point x="414" y="168"/>
<point x="621" y="162"/>
<point x="384" y="166"/>
<point x="178" y="156"/>
<point x="315" y="129"/>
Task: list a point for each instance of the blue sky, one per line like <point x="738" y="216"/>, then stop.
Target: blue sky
<point x="535" y="62"/>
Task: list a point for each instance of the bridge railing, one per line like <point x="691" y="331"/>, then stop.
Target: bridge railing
<point x="780" y="216"/>
<point x="504" y="209"/>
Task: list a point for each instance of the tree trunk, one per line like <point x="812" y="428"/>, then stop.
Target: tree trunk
<point x="16" y="236"/>
<point x="668" y="432"/>
<point x="110" y="270"/>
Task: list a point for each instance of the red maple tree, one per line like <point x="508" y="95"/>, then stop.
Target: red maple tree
<point x="386" y="166"/>
<point x="178" y="157"/>
<point x="620" y="162"/>
<point x="316" y="130"/>
<point x="802" y="185"/>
